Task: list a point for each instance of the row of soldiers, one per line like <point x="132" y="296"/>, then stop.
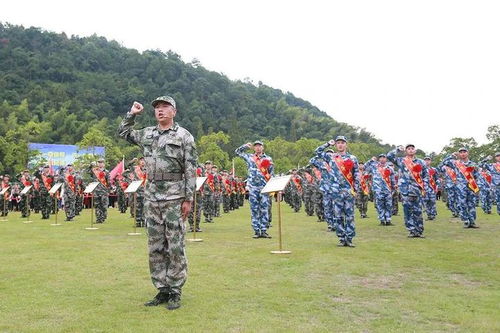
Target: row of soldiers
<point x="219" y="188"/>
<point x="379" y="182"/>
<point x="34" y="191"/>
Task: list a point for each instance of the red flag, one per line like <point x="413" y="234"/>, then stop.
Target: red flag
<point x="118" y="170"/>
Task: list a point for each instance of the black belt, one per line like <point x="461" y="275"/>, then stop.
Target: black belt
<point x="165" y="176"/>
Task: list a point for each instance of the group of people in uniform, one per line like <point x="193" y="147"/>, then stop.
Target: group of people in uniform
<point x="335" y="182"/>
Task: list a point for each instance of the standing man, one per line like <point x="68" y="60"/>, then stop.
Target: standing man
<point x="260" y="170"/>
<point x="101" y="192"/>
<point x="414" y="183"/>
<point x="4" y="204"/>
<point x="363" y="194"/>
<point x="209" y="194"/>
<point x="139" y="172"/>
<point x="494" y="169"/>
<point x="69" y="186"/>
<point x="296" y="191"/>
<point x="25" y="180"/>
<point x="170" y="155"/>
<point x="345" y="168"/>
<point x="467" y="187"/>
<point x="430" y="198"/>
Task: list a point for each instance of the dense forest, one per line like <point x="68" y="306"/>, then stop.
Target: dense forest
<point x="73" y="90"/>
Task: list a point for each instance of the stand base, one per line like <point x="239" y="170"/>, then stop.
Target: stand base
<point x="91" y="228"/>
<point x="281" y="252"/>
<point x="56" y="224"/>
<point x="4" y="220"/>
<point x="27" y="221"/>
<point x="195" y="240"/>
<point x="134" y="233"/>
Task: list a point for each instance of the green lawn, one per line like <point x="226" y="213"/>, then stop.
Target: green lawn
<point x="68" y="279"/>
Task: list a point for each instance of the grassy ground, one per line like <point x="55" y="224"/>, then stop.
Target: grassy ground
<point x="68" y="279"/>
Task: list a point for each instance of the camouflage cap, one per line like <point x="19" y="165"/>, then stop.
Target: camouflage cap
<point x="166" y="99"/>
<point x="382" y="155"/>
<point x="340" y="138"/>
<point x="409" y="145"/>
<point x="101" y="160"/>
<point x="463" y="149"/>
<point x="427" y="158"/>
<point x="258" y="142"/>
<point x="208" y="162"/>
<point x="497" y="154"/>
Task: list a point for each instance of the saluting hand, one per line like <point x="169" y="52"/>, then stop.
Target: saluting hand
<point x="401" y="148"/>
<point x="136" y="108"/>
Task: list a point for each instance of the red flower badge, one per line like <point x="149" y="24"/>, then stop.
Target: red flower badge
<point x="266" y="163"/>
<point x="387" y="172"/>
<point x="470" y="169"/>
<point x="101" y="174"/>
<point x="71" y="178"/>
<point x="348" y="164"/>
<point x="49" y="180"/>
<point x="417" y="168"/>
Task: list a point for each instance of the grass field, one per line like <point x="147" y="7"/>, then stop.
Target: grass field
<point x="68" y="279"/>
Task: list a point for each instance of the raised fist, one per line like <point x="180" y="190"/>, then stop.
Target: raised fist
<point x="136" y="108"/>
<point x="249" y="145"/>
<point x="401" y="148"/>
<point x="331" y="142"/>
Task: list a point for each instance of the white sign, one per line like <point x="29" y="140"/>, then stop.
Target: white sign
<point x="91" y="187"/>
<point x="26" y="190"/>
<point x="276" y="184"/>
<point x="55" y="188"/>
<point x="199" y="182"/>
<point x="134" y="186"/>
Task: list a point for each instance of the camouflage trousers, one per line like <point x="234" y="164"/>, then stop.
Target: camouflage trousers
<point x="45" y="204"/>
<point x="122" y="202"/>
<point x="395" y="203"/>
<point x="23" y="206"/>
<point x="308" y="202"/>
<point x="430" y="206"/>
<point x="486" y="197"/>
<point x="452" y="200"/>
<point x="412" y="207"/>
<point x="383" y="204"/>
<point x="318" y="205"/>
<point x="101" y="202"/>
<point x="191" y="219"/>
<point x="467" y="205"/>
<point x="259" y="208"/>
<point x="296" y="201"/>
<point x="166" y="244"/>
<point x="344" y="215"/>
<point x="362" y="203"/>
<point x="69" y="206"/>
<point x="497" y="196"/>
<point x="78" y="204"/>
<point x="36" y="201"/>
<point x="217" y="201"/>
<point x="139" y="209"/>
<point x="234" y="202"/>
<point x="241" y="199"/>
<point x="208" y="207"/>
<point x="329" y="209"/>
<point x="226" y="203"/>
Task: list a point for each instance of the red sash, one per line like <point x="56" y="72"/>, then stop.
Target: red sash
<point x="309" y="178"/>
<point x="497" y="166"/>
<point x="25" y="181"/>
<point x="123" y="185"/>
<point x="432" y="182"/>
<point x="451" y="173"/>
<point x="467" y="173"/>
<point x="101" y="176"/>
<point x="36" y="185"/>
<point x="71" y="181"/>
<point x="6" y="194"/>
<point x="227" y="186"/>
<point x="364" y="184"/>
<point x="487" y="176"/>
<point x="317" y="173"/>
<point x="345" y="170"/>
<point x="386" y="176"/>
<point x="210" y="181"/>
<point x="262" y="166"/>
<point x="416" y="172"/>
<point x="47" y="182"/>
<point x="296" y="180"/>
<point x="141" y="175"/>
<point x="234" y="186"/>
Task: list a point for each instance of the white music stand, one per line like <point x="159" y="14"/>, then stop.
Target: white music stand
<point x="90" y="189"/>
<point x="132" y="188"/>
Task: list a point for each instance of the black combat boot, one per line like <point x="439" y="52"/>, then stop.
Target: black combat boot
<point x="161" y="298"/>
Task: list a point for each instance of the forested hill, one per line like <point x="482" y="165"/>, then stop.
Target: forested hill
<point x="65" y="85"/>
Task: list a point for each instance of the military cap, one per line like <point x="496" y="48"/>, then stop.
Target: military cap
<point x="215" y="166"/>
<point x="409" y="145"/>
<point x="166" y="99"/>
<point x="258" y="142"/>
<point x="427" y="158"/>
<point x="46" y="166"/>
<point x="6" y="176"/>
<point x="340" y="138"/>
<point x="497" y="154"/>
<point x="26" y="170"/>
<point x="69" y="164"/>
<point x="101" y="160"/>
<point x="463" y="149"/>
<point x="382" y="155"/>
<point x="208" y="162"/>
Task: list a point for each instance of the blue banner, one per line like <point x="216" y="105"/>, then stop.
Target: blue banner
<point x="61" y="155"/>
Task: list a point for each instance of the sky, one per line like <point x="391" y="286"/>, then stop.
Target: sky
<point x="419" y="72"/>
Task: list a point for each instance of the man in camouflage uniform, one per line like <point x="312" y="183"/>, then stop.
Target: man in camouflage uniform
<point x="363" y="194"/>
<point x="170" y="154"/>
<point x="296" y="191"/>
<point x="25" y="181"/>
<point x="209" y="193"/>
<point x="218" y="191"/>
<point x="69" y="186"/>
<point x="318" y="195"/>
<point x="344" y="167"/>
<point x="260" y="170"/>
<point x="467" y="188"/>
<point x="494" y="170"/>
<point x="140" y="173"/>
<point x="197" y="204"/>
<point x="121" y="185"/>
<point x="101" y="193"/>
<point x="414" y="183"/>
<point x="327" y="188"/>
<point x="485" y="190"/>
<point x="79" y="193"/>
<point x="4" y="204"/>
<point x="431" y="197"/>
<point x="383" y="184"/>
<point x="308" y="190"/>
<point x="46" y="183"/>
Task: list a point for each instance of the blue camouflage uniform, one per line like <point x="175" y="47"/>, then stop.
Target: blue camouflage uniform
<point x="328" y="186"/>
<point x="259" y="203"/>
<point x="382" y="190"/>
<point x="485" y="191"/>
<point x="344" y="193"/>
<point x="411" y="193"/>
<point x="467" y="198"/>
<point x="494" y="170"/>
<point x="450" y="187"/>
<point x="430" y="196"/>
